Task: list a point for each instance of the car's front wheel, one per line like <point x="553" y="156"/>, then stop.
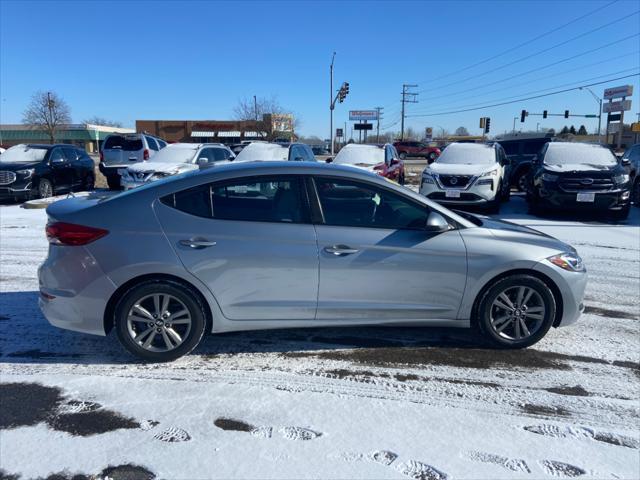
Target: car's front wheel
<point x="432" y="156"/>
<point x="160" y="321"/>
<point x="113" y="181"/>
<point x="45" y="188"/>
<point x="516" y="312"/>
<point x="403" y="155"/>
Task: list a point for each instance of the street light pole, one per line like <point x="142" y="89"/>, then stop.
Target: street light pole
<point x="599" y="100"/>
<point x="514" y="124"/>
<point x="331" y="106"/>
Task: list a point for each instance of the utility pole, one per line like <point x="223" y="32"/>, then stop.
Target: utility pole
<point x="255" y="107"/>
<point x="50" y="104"/>
<point x="379" y="110"/>
<point x="331" y="102"/>
<point x="514" y="124"/>
<point x="407" y="97"/>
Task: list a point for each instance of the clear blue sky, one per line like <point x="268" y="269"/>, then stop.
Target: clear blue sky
<point x="194" y="60"/>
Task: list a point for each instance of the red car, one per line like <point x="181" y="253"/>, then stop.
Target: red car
<point x="417" y="149"/>
<point x="380" y="159"/>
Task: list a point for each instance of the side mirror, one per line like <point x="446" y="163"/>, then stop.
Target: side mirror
<point x="202" y="161"/>
<point x="328" y="160"/>
<point x="625" y="162"/>
<point x="437" y="223"/>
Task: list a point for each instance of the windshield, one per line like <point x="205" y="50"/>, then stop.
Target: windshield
<point x="173" y="154"/>
<point x="575" y="153"/>
<point x="360" y="155"/>
<point x="121" y="142"/>
<point x="467" y="154"/>
<point x="23" y="154"/>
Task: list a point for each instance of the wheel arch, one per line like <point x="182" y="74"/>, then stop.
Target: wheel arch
<point x="519" y="169"/>
<point x="557" y="296"/>
<point x="109" y="311"/>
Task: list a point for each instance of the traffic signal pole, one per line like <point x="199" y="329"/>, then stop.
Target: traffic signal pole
<point x="331" y="101"/>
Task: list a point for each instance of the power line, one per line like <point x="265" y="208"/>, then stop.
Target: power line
<point x="523" y="99"/>
<point x="565" y="59"/>
<point x="407" y="97"/>
<point x="610" y="59"/>
<point x="522" y="59"/>
<point x="554" y="87"/>
<point x="542" y="35"/>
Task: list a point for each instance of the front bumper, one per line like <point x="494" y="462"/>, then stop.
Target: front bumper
<point x="74" y="290"/>
<point x="472" y="194"/>
<point x="572" y="286"/>
<point x="603" y="200"/>
<point x="15" y="190"/>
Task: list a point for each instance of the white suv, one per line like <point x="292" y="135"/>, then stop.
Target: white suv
<point x="468" y="174"/>
<point x="176" y="158"/>
<point x="121" y="150"/>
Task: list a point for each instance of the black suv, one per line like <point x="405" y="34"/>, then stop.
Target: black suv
<point x="40" y="171"/>
<point x="521" y="150"/>
<point x="579" y="176"/>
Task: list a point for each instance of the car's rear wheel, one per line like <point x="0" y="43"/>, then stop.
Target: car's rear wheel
<point x="403" y="155"/>
<point x="113" y="181"/>
<point x="521" y="181"/>
<point x="160" y="321"/>
<point x="516" y="312"/>
<point x="45" y="188"/>
<point x="90" y="182"/>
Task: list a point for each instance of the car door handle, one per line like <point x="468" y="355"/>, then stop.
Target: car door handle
<point x="340" y="250"/>
<point x="197" y="243"/>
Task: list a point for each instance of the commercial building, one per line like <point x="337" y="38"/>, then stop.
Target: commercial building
<point x="83" y="135"/>
<point x="219" y="131"/>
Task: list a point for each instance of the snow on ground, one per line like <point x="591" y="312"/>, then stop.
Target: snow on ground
<point x="329" y="403"/>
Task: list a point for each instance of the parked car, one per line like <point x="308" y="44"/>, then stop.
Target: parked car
<point x="471" y="174"/>
<point x="416" y="149"/>
<point x="41" y="171"/>
<point x="320" y="150"/>
<point x="175" y="158"/>
<point x="262" y="245"/>
<point x="263" y="151"/>
<point x="579" y="176"/>
<point x="380" y="159"/>
<point x="121" y="150"/>
<point x="521" y="150"/>
<point x="632" y="155"/>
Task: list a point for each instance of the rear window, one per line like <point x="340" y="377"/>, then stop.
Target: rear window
<point x="121" y="142"/>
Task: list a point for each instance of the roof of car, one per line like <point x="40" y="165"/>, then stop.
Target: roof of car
<point x="556" y="145"/>
<point x="49" y="146"/>
<point x="194" y="146"/>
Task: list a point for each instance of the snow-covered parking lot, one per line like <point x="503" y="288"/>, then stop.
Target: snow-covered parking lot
<point x="328" y="403"/>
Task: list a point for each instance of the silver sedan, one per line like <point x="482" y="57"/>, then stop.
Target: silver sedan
<point x="266" y="245"/>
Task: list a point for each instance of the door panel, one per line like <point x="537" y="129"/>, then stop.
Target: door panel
<point x="395" y="274"/>
<point x="61" y="169"/>
<point x="257" y="270"/>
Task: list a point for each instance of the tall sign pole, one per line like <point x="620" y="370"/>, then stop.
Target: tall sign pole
<point x="331" y="103"/>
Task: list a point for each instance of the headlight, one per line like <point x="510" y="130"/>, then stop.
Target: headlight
<point x="427" y="178"/>
<point x="27" y="172"/>
<point x="568" y="261"/>
<point x="621" y="179"/>
<point x="492" y="173"/>
<point x="549" y="177"/>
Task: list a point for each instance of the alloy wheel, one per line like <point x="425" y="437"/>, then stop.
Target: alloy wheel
<point x="45" y="189"/>
<point x="159" y="322"/>
<point x="517" y="313"/>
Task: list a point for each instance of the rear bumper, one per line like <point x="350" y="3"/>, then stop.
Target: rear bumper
<point x="110" y="170"/>
<point x="74" y="290"/>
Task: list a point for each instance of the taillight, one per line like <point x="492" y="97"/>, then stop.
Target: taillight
<point x="61" y="233"/>
<point x="101" y="156"/>
<point x="145" y="154"/>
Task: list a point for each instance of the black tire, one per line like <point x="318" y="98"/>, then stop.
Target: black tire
<point x="45" y="188"/>
<point x="401" y="179"/>
<point x="184" y="295"/>
<point x="431" y="157"/>
<point x="486" y="310"/>
<point x="506" y="194"/>
<point x="403" y="155"/>
<point x="635" y="192"/>
<point x="90" y="183"/>
<point x="114" y="182"/>
<point x="622" y="214"/>
<point x="520" y="180"/>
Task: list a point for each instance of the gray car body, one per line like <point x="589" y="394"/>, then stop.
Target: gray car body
<point x="263" y="275"/>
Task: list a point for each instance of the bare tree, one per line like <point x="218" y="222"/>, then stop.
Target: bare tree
<point x="95" y="120"/>
<point x="255" y="108"/>
<point x="47" y="111"/>
<point x="462" y="132"/>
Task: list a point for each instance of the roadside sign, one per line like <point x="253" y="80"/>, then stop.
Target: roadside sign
<point x="635" y="127"/>
<point x="428" y="133"/>
<point x="619" y="106"/>
<point x="618" y="92"/>
<point x="363" y="126"/>
<point x="339" y="132"/>
<point x="361" y="115"/>
<point x="614" y="128"/>
<point x="614" y="117"/>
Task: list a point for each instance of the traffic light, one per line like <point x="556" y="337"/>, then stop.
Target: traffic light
<point x="523" y="114"/>
<point x="487" y="125"/>
<point x="566" y="114"/>
<point x="343" y="92"/>
<point x="544" y="114"/>
<point x="482" y="120"/>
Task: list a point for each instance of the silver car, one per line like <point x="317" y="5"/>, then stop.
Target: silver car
<point x="263" y="245"/>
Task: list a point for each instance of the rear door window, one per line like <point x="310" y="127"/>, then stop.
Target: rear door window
<point x="162" y="144"/>
<point x="152" y="143"/>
